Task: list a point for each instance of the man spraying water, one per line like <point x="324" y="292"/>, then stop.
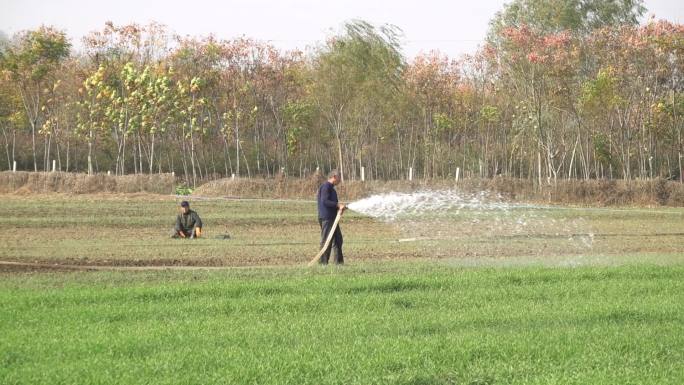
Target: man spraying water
<point x="329" y="211"/>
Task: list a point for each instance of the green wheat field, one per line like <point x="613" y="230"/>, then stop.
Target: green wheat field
<point x="479" y="302"/>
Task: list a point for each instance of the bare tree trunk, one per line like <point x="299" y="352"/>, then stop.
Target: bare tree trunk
<point x="572" y="158"/>
<point x="14" y="146"/>
<point x="249" y="173"/>
<point x="123" y="156"/>
<point x="192" y="158"/>
<point x="90" y="153"/>
<point x="68" y="154"/>
<point x="679" y="134"/>
<point x="184" y="158"/>
<point x="33" y="142"/>
<point x="237" y="148"/>
<point x="339" y="155"/>
<point x="9" y="161"/>
<point x="539" y="168"/>
<point x="48" y="141"/>
<point x="134" y="151"/>
<point x="226" y="157"/>
<point x="151" y="152"/>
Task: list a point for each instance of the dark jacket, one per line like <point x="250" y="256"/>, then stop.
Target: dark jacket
<point x="187" y="222"/>
<point x="327" y="201"/>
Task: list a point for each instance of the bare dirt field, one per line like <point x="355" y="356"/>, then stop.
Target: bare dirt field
<point x="132" y="230"/>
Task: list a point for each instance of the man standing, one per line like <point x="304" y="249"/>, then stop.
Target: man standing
<point x="328" y="205"/>
<point x="188" y="223"/>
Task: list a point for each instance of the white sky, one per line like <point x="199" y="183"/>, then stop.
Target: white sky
<point x="454" y="27"/>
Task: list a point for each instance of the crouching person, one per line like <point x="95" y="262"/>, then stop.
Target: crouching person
<point x="188" y="223"/>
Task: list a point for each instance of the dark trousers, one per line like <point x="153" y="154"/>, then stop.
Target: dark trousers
<point x="336" y="242"/>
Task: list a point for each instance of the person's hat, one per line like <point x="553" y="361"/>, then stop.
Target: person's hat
<point x="185" y="204"/>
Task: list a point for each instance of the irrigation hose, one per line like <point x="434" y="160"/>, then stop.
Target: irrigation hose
<point x="327" y="241"/>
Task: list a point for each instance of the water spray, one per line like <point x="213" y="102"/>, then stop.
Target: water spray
<point x="451" y="214"/>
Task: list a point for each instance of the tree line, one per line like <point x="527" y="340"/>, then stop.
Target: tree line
<point x="571" y="89"/>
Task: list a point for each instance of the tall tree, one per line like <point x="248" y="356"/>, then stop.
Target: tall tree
<point x="553" y="16"/>
<point x="31" y="59"/>
<point x="350" y="68"/>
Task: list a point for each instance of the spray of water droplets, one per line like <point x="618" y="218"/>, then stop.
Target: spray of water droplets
<point x="393" y="206"/>
<point x="475" y="217"/>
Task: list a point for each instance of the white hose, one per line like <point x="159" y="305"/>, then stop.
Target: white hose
<point x="327" y="241"/>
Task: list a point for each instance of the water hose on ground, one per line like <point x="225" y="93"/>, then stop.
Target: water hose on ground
<point x="327" y="241"/>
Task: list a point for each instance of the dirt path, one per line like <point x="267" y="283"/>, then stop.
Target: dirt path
<point x="12" y="266"/>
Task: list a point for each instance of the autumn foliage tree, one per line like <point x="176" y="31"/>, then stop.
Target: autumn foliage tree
<point x="574" y="89"/>
<point x="30" y="60"/>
